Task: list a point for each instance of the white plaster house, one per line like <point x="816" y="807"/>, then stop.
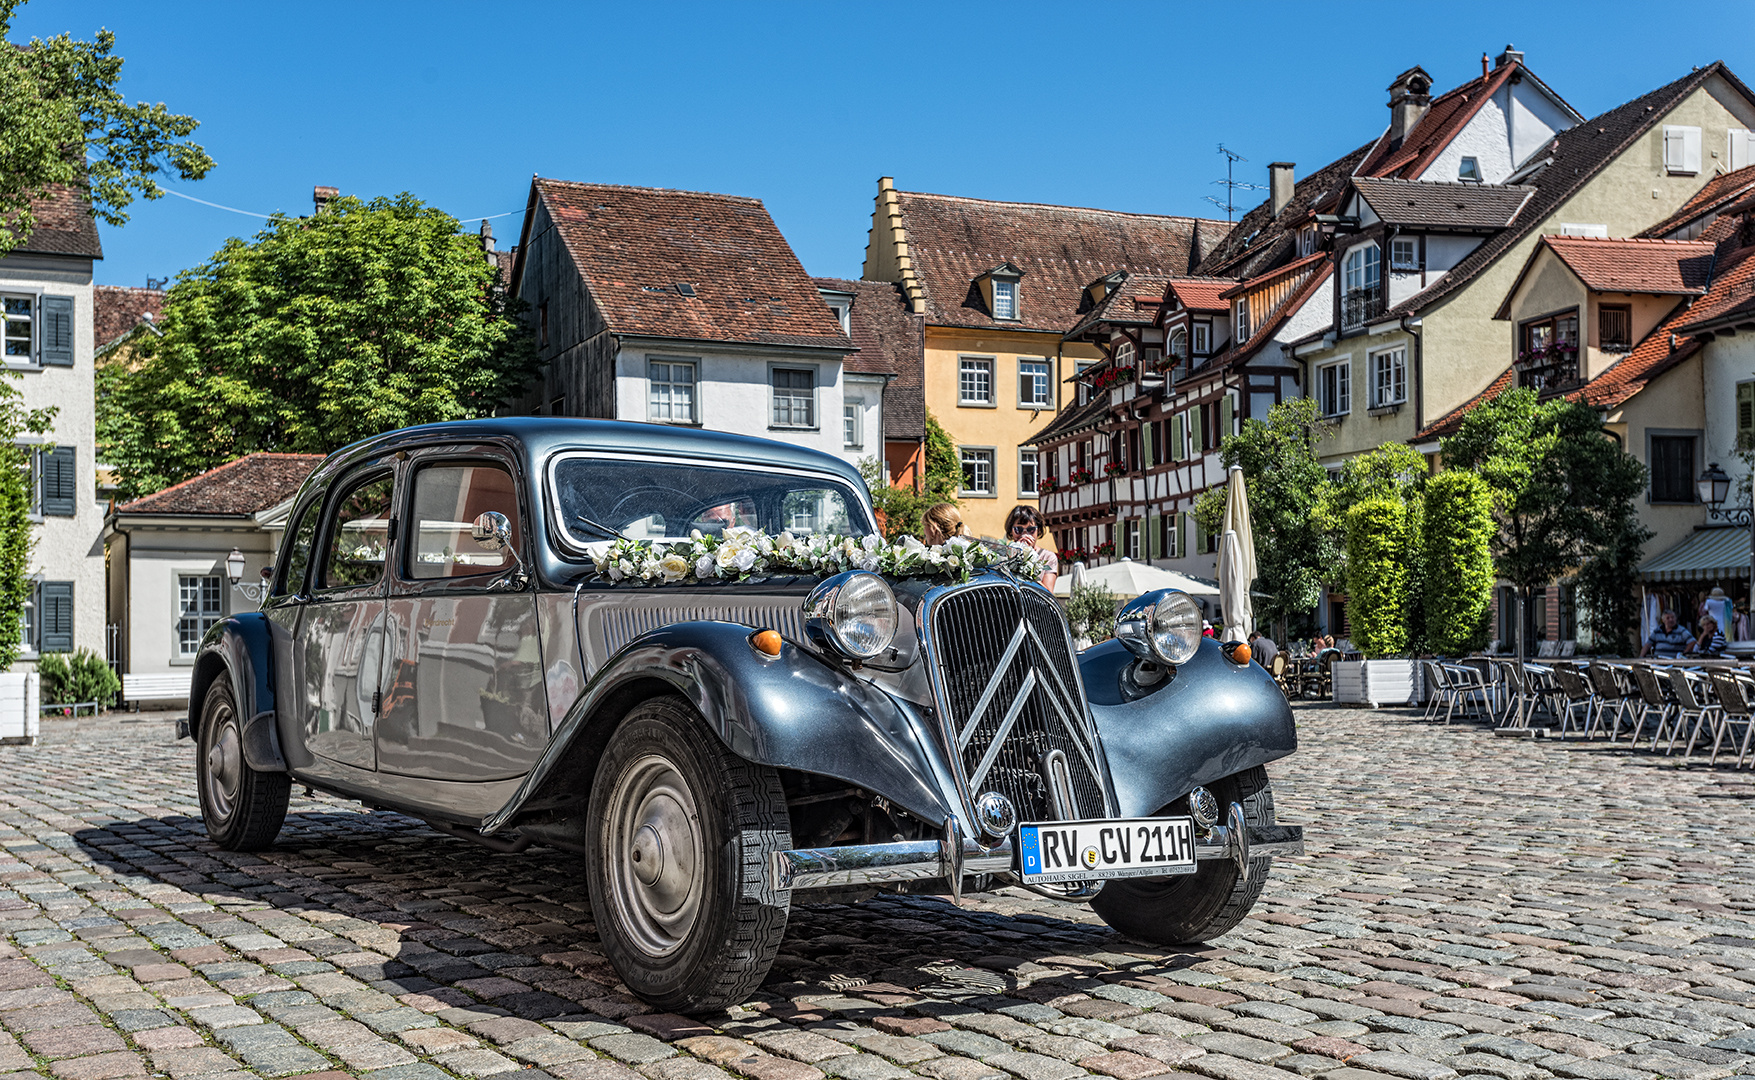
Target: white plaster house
<point x="46" y="290"/>
<point x="680" y="307"/>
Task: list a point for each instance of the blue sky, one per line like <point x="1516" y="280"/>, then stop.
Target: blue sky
<point x="804" y="106"/>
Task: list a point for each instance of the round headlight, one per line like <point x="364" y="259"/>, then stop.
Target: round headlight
<point x="1163" y="626"/>
<point x="854" y="613"/>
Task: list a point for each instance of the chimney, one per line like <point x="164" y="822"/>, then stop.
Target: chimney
<point x="1509" y="56"/>
<point x="1483" y="65"/>
<point x="1409" y="97"/>
<point x="321" y="195"/>
<point x="487" y="236"/>
<point x="1280" y="184"/>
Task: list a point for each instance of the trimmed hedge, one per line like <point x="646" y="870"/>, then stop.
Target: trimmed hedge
<point x="1456" y="558"/>
<point x="16" y="541"/>
<point x="1377" y="577"/>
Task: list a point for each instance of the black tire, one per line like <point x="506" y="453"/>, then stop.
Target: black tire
<point x="1200" y="906"/>
<point x="702" y="933"/>
<point x="242" y="808"/>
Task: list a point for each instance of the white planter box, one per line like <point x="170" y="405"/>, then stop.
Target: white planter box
<point x="20" y="705"/>
<point x="1377" y="682"/>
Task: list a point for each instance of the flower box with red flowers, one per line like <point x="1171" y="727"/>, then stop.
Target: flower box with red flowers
<point x="1106" y="548"/>
<point x="1114" y="468"/>
<point x="1048" y="485"/>
<point x="1082" y="476"/>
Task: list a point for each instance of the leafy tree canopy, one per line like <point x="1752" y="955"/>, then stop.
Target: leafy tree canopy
<point x="317" y="332"/>
<point x="62" y="121"/>
<point x="16" y="536"/>
<point x="902" y="507"/>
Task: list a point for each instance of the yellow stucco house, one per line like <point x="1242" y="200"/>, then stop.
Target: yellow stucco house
<point x="998" y="284"/>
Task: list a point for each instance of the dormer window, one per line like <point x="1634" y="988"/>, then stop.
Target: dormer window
<point x="1005" y="299"/>
<point x="843" y="315"/>
<point x="1179" y="345"/>
<point x="1404" y="253"/>
<point x="1201" y="335"/>
<point x="1469" y="171"/>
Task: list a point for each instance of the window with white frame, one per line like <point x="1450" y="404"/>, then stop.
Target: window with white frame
<point x="1027" y="475"/>
<point x="1124" y="354"/>
<point x="671" y="390"/>
<point x="1033" y="392"/>
<point x="975" y="381"/>
<point x="19" y="332"/>
<point x="1179" y="345"/>
<point x="977" y="470"/>
<point x="198" y="608"/>
<point x="1131" y="539"/>
<point x="1005" y="299"/>
<point x="1242" y="319"/>
<point x="1200" y="336"/>
<point x="1334" y="389"/>
<point x="1469" y="170"/>
<point x="1681" y="150"/>
<point x="843" y="314"/>
<point x="1404" y="253"/>
<point x="795" y="397"/>
<point x="853" y="424"/>
<point x="1361" y="285"/>
<point x="1084" y="388"/>
<point x="1389" y="377"/>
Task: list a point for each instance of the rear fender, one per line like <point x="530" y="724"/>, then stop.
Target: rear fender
<point x="1214" y="719"/>
<point x="239" y="648"/>
<point x="792" y="711"/>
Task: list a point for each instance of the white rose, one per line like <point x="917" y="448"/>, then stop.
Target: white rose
<point x="727" y="554"/>
<point x="673" y="567"/>
<point x="746" y="559"/>
<point x="705" y="567"/>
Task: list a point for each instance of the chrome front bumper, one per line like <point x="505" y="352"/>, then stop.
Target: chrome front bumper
<point x="918" y="860"/>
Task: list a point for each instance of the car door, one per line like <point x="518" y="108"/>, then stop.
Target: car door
<point x="342" y="637"/>
<point x="466" y="699"/>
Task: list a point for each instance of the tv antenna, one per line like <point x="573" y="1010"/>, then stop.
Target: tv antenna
<point x="1231" y="185"/>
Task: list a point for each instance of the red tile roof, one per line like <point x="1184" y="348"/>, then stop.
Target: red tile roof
<point x="1202" y="294"/>
<point x="1060" y="249"/>
<point x="64" y="225"/>
<point x="239" y="488"/>
<point x="1678" y="267"/>
<point x="1452" y="420"/>
<point x="1732" y="297"/>
<point x="891" y="341"/>
<point x="1713" y="196"/>
<point x="1448" y="114"/>
<point x="117" y="310"/>
<point x="634" y="246"/>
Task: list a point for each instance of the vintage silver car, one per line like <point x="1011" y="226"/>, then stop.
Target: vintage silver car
<point x="683" y="655"/>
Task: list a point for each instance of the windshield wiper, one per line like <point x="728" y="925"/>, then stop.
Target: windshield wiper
<point x="602" y="528"/>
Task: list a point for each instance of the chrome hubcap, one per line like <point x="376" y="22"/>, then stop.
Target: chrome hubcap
<point x="225" y="761"/>
<point x="653" y="851"/>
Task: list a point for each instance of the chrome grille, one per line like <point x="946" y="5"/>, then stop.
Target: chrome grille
<point x="618" y="625"/>
<point x="1013" y="700"/>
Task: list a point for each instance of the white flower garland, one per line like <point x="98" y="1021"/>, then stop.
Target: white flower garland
<point x="741" y="553"/>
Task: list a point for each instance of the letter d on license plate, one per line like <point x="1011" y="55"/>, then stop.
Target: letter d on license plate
<point x="1090" y="850"/>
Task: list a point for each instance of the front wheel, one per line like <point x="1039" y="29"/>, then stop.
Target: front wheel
<point x="682" y="832"/>
<point x="1200" y="906"/>
<point x="242" y="808"/>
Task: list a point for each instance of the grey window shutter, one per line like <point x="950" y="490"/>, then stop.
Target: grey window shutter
<point x="58" y="330"/>
<point x="60" y="483"/>
<point x="55" y="615"/>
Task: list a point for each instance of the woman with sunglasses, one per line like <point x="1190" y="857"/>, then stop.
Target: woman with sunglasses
<point x="1023" y="526"/>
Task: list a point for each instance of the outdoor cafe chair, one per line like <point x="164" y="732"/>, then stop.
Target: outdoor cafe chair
<point x="1523" y="690"/>
<point x="1277" y="668"/>
<point x="1547" y="650"/>
<point x="1612" y="692"/>
<point x="1568" y="649"/>
<point x="1733" y="712"/>
<point x="1578" y="698"/>
<point x="1437" y="688"/>
<point x="1693" y="702"/>
<point x="1544" y="692"/>
<point x="1467" y="687"/>
<point x="1655" y="696"/>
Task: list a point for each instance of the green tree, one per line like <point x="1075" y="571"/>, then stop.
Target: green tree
<point x="63" y="122"/>
<point x="1394" y="471"/>
<point x="1563" y="493"/>
<point x="1377" y="577"/>
<point x="318" y="332"/>
<point x="944" y="469"/>
<point x="1456" y="561"/>
<point x="16" y="537"/>
<point x="903" y="505"/>
<point x="1294" y="555"/>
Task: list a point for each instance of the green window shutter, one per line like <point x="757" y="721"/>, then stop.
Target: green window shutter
<point x="60" y="483"/>
<point x="1197" y="435"/>
<point x="55" y="616"/>
<point x="1225" y="417"/>
<point x="1745" y="413"/>
<point x="1176" y="437"/>
<point x="1146" y="457"/>
<point x="57" y="330"/>
<point x="1155" y="528"/>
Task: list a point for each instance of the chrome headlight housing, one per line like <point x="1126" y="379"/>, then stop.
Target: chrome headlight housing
<point x="855" y="614"/>
<point x="1163" y="626"/>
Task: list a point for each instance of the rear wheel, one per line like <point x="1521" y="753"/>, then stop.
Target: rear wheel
<point x="1202" y="905"/>
<point x="678" y="865"/>
<point x="242" y="808"/>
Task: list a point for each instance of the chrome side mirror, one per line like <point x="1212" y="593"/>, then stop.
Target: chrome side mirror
<point x="492" y="531"/>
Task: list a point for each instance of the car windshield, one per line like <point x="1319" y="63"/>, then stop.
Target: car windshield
<point x="648" y="500"/>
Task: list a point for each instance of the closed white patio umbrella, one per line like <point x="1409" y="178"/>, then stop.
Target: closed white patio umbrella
<point x="1236" y="561"/>
<point x="1126" y="579"/>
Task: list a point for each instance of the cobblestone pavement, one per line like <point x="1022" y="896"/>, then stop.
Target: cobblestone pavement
<point x="1469" y="905"/>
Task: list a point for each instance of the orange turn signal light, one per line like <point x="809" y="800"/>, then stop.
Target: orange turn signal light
<point x="1238" y="652"/>
<point x="766" y="641"/>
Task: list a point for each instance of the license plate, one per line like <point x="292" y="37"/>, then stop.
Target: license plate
<point x="1089" y="850"/>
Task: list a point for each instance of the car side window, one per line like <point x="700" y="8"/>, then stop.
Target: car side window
<point x="359" y="537"/>
<point x="447" y="499"/>
<point x="298" y="550"/>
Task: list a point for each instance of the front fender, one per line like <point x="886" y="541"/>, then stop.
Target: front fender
<point x="1215" y="718"/>
<point x="792" y="711"/>
<point x="239" y="648"/>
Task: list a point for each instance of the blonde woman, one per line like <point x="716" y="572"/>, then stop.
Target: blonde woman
<point x="940" y="522"/>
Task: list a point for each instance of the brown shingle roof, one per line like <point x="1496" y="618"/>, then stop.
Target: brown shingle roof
<point x="1071" y="420"/>
<point x="248" y="485"/>
<point x="64" y="225"/>
<point x="1463" y="207"/>
<point x="635" y="245"/>
<point x="891" y="341"/>
<point x="1060" y="249"/>
<point x="1135" y="301"/>
<point x="1717" y="192"/>
<point x="1261" y="240"/>
<point x="118" y="309"/>
<point x="1448" y="114"/>
<point x="1677" y="267"/>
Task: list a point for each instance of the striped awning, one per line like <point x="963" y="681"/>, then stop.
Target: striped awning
<point x="1704" y="555"/>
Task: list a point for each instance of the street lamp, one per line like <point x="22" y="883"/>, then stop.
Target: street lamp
<point x="234" y="569"/>
<point x="1714" y="487"/>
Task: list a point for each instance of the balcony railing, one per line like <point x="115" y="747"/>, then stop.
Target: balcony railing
<point x="1361" y="305"/>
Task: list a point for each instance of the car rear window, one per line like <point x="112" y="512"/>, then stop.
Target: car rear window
<point x="647" y="500"/>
